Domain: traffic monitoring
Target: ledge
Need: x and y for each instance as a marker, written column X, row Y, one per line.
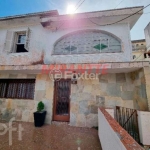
column 108, row 67
column 125, row 138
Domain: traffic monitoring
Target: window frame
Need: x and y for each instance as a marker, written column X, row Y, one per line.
column 85, row 53
column 16, row 38
column 17, row 81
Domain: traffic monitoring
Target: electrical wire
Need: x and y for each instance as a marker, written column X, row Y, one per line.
column 77, row 7
column 121, row 19
column 118, row 4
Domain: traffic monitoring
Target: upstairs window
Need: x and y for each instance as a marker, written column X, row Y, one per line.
column 17, row 41
column 87, row 42
column 17, row 88
column 134, row 56
column 20, row 42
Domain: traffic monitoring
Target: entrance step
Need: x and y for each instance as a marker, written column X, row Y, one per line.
column 60, row 123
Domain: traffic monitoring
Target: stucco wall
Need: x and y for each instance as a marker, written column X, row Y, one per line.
column 144, row 127
column 43, row 40
column 108, row 137
column 147, row 36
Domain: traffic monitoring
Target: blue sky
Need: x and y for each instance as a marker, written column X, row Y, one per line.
column 16, row 7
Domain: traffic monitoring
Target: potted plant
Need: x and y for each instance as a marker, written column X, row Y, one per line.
column 39, row 115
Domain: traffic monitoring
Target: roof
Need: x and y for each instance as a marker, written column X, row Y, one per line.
column 55, row 12
column 114, row 10
column 136, row 41
column 42, row 14
column 100, row 18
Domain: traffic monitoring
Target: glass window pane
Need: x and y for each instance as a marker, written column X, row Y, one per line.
column 21, row 39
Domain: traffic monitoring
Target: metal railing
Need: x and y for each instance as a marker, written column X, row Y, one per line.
column 127, row 118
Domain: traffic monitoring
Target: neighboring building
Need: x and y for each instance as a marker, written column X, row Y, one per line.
column 138, row 50
column 34, row 44
column 147, row 37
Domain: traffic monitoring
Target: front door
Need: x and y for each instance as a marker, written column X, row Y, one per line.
column 61, row 109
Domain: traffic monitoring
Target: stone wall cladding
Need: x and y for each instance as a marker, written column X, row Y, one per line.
column 140, row 90
column 23, row 109
column 147, row 84
column 108, row 90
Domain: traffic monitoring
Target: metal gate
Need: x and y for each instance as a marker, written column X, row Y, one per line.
column 61, row 111
column 127, row 118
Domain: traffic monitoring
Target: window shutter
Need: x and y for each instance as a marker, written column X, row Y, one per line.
column 9, row 41
column 28, row 36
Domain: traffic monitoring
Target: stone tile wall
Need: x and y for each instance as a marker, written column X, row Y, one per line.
column 23, row 109
column 147, row 84
column 140, row 91
column 108, row 90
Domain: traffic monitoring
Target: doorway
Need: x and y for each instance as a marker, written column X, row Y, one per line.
column 61, row 107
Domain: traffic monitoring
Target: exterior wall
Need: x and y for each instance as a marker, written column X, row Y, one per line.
column 147, row 36
column 144, row 127
column 35, row 54
column 108, row 91
column 43, row 40
column 112, row 135
column 22, row 109
column 108, row 137
column 140, row 92
column 147, row 82
column 139, row 55
column 138, row 50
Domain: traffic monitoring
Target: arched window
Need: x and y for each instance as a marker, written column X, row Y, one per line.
column 87, row 42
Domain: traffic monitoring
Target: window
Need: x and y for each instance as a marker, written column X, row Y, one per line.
column 17, row 88
column 17, row 41
column 87, row 42
column 134, row 56
column 20, row 42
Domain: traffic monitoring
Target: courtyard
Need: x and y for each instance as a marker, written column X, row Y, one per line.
column 50, row 137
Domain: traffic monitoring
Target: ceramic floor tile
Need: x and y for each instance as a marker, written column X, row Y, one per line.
column 51, row 137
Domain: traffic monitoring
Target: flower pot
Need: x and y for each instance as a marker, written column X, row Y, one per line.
column 39, row 118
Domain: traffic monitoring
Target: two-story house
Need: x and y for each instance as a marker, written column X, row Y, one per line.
column 139, row 50
column 88, row 54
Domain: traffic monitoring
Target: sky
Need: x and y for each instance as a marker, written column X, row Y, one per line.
column 18, row 7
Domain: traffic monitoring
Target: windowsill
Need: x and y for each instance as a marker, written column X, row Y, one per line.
column 16, row 54
column 16, row 99
column 89, row 53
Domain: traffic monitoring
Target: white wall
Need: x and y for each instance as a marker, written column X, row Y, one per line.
column 43, row 39
column 147, row 36
column 144, row 127
column 111, row 112
column 108, row 138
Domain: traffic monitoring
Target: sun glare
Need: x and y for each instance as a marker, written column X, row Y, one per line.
column 70, row 9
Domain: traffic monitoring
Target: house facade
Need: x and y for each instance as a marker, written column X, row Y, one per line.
column 147, row 38
column 139, row 50
column 73, row 63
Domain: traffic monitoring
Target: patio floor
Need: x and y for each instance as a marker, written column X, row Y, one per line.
column 51, row 137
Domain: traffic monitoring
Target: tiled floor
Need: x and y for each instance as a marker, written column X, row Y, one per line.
column 51, row 137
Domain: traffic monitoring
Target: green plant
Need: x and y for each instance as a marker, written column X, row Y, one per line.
column 40, row 106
